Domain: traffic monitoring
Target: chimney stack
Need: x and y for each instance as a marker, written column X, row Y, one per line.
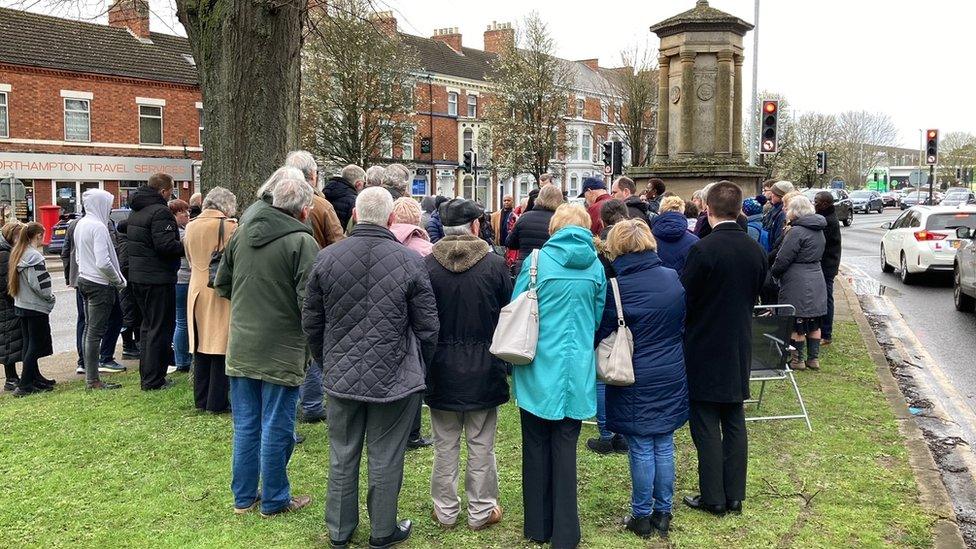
column 593, row 64
column 132, row 15
column 449, row 36
column 499, row 38
column 385, row 22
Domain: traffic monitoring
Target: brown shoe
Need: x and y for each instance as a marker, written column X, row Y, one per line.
column 825, row 343
column 443, row 525
column 252, row 507
column 297, row 502
column 813, row 364
column 795, row 362
column 493, row 518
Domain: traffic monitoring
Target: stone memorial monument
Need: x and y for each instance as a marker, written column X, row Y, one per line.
column 699, row 114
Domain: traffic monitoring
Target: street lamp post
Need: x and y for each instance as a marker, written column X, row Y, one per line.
column 754, row 133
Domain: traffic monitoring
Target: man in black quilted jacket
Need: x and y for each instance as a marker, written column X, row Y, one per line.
column 154, row 250
column 371, row 319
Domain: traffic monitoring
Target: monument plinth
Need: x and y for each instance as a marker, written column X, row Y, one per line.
column 699, row 114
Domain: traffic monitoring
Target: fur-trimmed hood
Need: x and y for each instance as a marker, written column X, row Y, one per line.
column 459, row 253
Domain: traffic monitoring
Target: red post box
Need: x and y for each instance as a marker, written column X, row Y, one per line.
column 49, row 218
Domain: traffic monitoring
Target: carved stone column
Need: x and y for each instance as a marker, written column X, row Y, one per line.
column 737, row 109
column 687, row 103
column 723, row 105
column 663, row 107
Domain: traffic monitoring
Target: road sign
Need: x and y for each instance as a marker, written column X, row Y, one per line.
column 608, row 170
column 916, row 177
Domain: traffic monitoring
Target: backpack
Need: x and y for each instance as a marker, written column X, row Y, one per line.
column 760, row 235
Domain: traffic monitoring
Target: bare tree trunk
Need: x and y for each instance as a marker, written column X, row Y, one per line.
column 248, row 57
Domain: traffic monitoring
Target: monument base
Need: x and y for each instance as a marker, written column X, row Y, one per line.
column 685, row 177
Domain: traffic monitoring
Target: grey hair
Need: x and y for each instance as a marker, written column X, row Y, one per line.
column 285, row 172
column 460, row 230
column 304, row 161
column 704, row 192
column 353, row 173
column 395, row 175
column 374, row 176
column 550, row 198
column 799, row 206
column 374, row 206
column 292, row 194
column 221, row 199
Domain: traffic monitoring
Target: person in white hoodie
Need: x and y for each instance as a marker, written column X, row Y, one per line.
column 99, row 277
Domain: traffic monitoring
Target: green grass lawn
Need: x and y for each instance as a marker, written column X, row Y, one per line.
column 127, row 468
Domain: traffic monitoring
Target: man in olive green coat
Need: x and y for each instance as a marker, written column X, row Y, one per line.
column 263, row 272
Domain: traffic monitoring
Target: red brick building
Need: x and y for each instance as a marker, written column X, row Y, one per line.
column 85, row 106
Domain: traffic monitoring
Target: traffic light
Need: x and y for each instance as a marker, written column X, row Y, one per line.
column 608, row 153
column 617, row 158
column 958, row 174
column 821, row 162
column 470, row 161
column 769, row 140
column 931, row 147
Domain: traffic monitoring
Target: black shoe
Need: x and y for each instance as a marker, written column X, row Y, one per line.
column 661, row 522
column 42, row 388
column 640, row 526
column 131, row 354
column 102, row 386
column 398, row 536
column 419, row 442
column 299, row 438
column 167, row 384
column 312, row 417
column 600, row 446
column 620, row 445
column 335, row 544
column 734, row 506
column 25, row 391
column 697, row 504
column 11, row 384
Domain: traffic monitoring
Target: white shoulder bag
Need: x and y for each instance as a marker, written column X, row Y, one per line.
column 615, row 354
column 517, row 333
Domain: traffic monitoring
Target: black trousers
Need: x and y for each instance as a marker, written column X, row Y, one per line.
column 36, row 330
column 211, row 388
column 549, row 480
column 719, row 432
column 157, row 302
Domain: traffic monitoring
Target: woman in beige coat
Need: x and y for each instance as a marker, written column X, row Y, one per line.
column 209, row 314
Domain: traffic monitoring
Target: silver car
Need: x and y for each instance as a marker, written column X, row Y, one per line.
column 964, row 271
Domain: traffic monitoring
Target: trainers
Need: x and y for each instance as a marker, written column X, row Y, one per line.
column 253, row 506
column 20, row 392
column 80, row 370
column 102, row 386
column 600, row 446
column 400, row 535
column 110, row 367
column 620, row 445
column 420, row 442
column 11, row 384
column 170, row 370
column 312, row 417
column 296, row 503
column 493, row 518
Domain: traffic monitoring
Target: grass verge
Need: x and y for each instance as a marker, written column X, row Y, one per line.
column 125, row 468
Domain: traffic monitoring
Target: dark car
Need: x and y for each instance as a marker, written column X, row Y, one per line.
column 58, row 231
column 867, row 201
column 890, row 199
column 918, row 198
column 842, row 203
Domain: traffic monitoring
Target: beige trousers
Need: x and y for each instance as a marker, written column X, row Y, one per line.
column 481, row 475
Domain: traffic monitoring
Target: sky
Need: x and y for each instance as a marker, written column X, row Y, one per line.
column 911, row 60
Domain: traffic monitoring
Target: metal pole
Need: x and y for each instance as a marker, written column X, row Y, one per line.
column 931, row 182
column 754, row 109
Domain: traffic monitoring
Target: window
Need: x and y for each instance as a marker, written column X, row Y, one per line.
column 580, row 107
column 586, row 145
column 467, row 143
column 573, row 185
column 472, row 106
column 407, row 143
column 605, row 111
column 573, row 149
column 4, row 125
column 200, row 116
column 452, row 98
column 408, row 98
column 386, row 142
column 150, row 125
column 77, row 120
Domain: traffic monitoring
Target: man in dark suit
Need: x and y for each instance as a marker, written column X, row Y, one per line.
column 722, row 278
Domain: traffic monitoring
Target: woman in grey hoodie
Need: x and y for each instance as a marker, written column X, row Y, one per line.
column 29, row 283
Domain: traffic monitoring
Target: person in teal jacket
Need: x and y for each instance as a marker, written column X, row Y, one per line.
column 557, row 390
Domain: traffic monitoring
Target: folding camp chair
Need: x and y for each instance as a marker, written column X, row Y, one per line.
column 772, row 326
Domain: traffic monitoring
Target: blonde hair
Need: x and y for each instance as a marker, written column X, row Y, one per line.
column 629, row 237
column 790, row 196
column 550, row 198
column 569, row 215
column 407, row 211
column 672, row 204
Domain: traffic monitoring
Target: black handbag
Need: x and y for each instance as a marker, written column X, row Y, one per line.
column 216, row 255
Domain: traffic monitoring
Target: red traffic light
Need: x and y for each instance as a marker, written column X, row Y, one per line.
column 932, row 134
column 770, row 107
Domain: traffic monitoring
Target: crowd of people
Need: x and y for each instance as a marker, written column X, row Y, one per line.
column 355, row 304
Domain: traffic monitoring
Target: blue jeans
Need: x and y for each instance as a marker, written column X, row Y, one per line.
column 264, row 437
column 311, row 391
column 181, row 340
column 827, row 325
column 651, row 473
column 601, row 410
column 106, row 352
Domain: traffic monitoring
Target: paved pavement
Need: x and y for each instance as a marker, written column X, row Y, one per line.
column 927, row 306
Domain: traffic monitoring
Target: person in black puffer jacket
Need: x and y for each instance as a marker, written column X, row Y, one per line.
column 531, row 231
column 131, row 317
column 341, row 191
column 830, row 262
column 11, row 338
column 154, row 250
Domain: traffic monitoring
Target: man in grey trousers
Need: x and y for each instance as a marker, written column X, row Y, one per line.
column 370, row 315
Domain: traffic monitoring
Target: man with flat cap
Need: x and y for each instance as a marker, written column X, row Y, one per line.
column 465, row 382
column 595, row 192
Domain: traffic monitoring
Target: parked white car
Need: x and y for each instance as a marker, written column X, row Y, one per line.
column 923, row 239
